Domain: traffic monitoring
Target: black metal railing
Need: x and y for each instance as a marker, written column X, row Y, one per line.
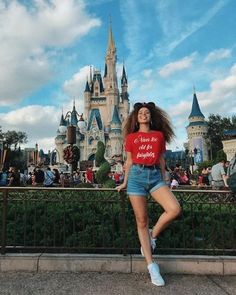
column 101, row 221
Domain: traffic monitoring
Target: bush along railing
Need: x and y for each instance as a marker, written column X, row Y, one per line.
column 83, row 220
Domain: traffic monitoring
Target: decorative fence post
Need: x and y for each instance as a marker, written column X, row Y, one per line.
column 4, row 221
column 123, row 223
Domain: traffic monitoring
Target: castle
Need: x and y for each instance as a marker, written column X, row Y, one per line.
column 198, row 145
column 105, row 110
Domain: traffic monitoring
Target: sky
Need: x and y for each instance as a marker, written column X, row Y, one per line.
column 168, row 48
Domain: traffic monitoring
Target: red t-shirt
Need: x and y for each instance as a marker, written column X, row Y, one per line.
column 89, row 174
column 145, row 147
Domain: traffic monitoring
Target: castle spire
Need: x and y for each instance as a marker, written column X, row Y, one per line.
column 87, row 89
column 110, row 77
column 111, row 43
column 195, row 112
column 124, row 77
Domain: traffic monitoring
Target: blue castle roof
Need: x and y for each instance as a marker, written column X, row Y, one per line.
column 195, row 112
column 63, row 122
column 116, row 118
column 95, row 113
column 74, row 119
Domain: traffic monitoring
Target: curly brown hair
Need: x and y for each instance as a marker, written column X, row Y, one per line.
column 159, row 120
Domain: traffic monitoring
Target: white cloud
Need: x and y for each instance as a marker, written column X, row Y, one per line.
column 177, row 29
column 46, row 144
column 220, row 99
column 76, row 85
column 27, row 37
column 176, row 66
column 147, row 73
column 218, row 54
column 39, row 122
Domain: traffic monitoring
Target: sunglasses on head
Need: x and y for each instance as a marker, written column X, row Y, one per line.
column 139, row 105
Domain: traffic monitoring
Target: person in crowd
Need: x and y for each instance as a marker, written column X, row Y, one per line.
column 3, row 177
column 174, row 173
column 48, row 177
column 39, row 176
column 33, row 177
column 183, row 178
column 209, row 175
column 76, row 177
column 199, row 181
column 14, row 177
column 116, row 176
column 62, row 179
column 205, row 178
column 121, row 176
column 219, row 177
column 89, row 176
column 29, row 178
column 146, row 131
column 56, row 173
column 167, row 176
column 174, row 183
column 82, row 175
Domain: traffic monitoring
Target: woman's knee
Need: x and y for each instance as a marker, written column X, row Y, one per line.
column 142, row 222
column 175, row 212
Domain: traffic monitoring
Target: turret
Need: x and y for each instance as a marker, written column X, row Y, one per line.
column 197, row 130
column 74, row 119
column 87, row 97
column 110, row 76
column 115, row 122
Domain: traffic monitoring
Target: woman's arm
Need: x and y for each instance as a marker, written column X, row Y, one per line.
column 162, row 166
column 128, row 164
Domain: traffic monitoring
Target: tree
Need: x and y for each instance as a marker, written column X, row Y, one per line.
column 14, row 139
column 220, row 155
column 216, row 127
column 102, row 175
column 11, row 141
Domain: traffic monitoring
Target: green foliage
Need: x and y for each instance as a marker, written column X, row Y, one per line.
column 93, row 219
column 14, row 138
column 11, row 142
column 204, row 164
column 102, row 175
column 220, row 155
column 216, row 127
column 99, row 156
column 85, row 185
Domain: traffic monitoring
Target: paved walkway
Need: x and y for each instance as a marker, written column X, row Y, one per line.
column 95, row 283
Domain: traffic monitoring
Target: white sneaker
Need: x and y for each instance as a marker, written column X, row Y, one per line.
column 155, row 275
column 152, row 241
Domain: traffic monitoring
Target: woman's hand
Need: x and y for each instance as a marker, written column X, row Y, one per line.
column 121, row 186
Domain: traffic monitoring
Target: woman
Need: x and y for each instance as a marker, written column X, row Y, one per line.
column 205, row 174
column 146, row 131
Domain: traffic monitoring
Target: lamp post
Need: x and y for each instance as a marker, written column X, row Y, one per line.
column 191, row 154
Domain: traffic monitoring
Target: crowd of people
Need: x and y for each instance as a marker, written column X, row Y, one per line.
column 52, row 177
column 215, row 177
column 208, row 177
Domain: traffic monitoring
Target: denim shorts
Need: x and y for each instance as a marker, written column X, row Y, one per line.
column 143, row 180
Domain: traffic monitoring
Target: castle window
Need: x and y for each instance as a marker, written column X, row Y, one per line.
column 90, row 140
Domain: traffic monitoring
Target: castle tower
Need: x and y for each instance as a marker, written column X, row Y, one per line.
column 110, row 77
column 197, row 130
column 105, row 110
column 115, row 133
column 124, row 97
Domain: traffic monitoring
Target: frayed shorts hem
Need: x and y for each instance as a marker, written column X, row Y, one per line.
column 131, row 194
column 156, row 187
column 159, row 185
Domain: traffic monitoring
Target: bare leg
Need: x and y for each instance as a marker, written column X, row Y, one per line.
column 169, row 203
column 139, row 205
